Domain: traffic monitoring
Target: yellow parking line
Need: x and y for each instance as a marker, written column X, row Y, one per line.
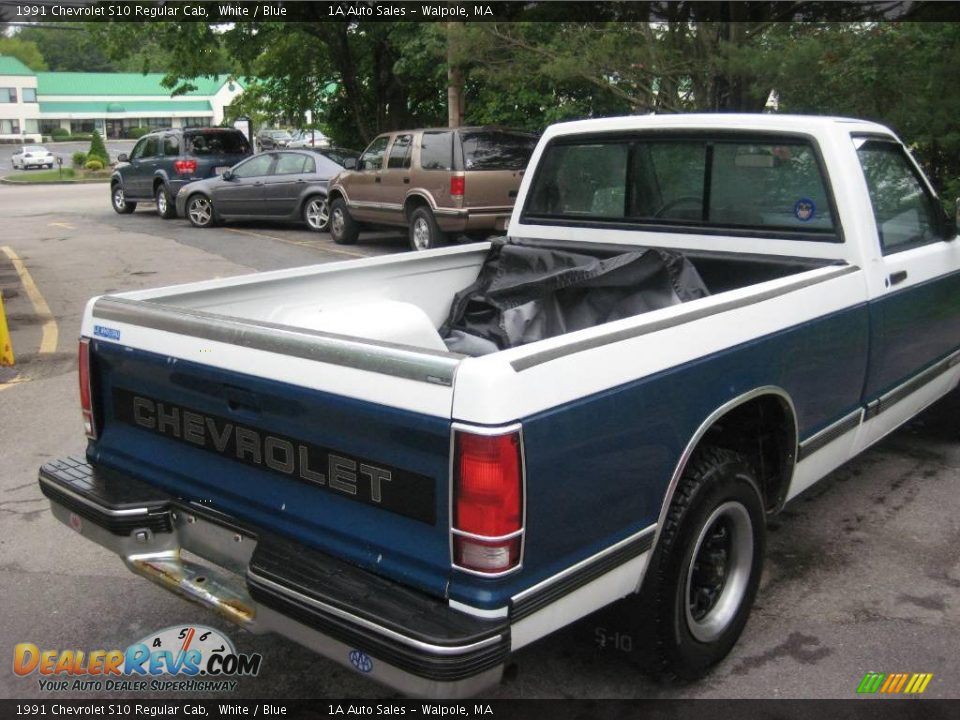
column 63, row 225
column 299, row 243
column 48, row 341
column 13, row 381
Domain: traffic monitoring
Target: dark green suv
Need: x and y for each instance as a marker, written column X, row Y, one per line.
column 163, row 161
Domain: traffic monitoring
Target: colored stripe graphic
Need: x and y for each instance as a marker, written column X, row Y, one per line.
column 894, row 683
column 871, row 682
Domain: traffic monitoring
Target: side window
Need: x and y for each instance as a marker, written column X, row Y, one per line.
column 153, row 147
column 294, row 164
column 139, row 149
column 400, row 152
column 903, row 208
column 436, row 151
column 372, row 158
column 257, row 166
column 171, row 146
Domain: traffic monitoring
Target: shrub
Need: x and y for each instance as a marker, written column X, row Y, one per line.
column 59, row 133
column 98, row 150
column 80, row 136
column 137, row 132
column 79, row 159
column 94, row 164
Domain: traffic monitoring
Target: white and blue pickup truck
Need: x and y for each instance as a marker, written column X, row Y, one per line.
column 418, row 464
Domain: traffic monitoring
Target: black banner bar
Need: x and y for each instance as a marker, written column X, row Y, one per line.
column 889, row 709
column 227, row 11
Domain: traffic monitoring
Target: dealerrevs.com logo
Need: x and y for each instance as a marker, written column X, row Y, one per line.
column 894, row 683
column 203, row 658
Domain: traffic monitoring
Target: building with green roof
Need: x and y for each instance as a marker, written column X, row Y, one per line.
column 35, row 103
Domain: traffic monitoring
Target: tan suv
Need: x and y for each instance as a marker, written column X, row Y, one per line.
column 435, row 182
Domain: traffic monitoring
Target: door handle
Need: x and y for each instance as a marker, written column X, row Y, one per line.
column 406, row 181
column 301, row 181
column 258, row 184
column 897, row 277
column 376, row 179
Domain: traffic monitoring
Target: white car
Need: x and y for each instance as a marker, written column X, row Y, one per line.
column 32, row 156
column 309, row 138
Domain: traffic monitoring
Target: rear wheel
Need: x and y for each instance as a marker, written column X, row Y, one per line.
column 707, row 567
column 200, row 211
column 425, row 234
column 165, row 206
column 343, row 228
column 119, row 200
column 316, row 213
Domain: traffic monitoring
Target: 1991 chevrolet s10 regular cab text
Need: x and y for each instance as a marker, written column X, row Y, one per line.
column 418, row 464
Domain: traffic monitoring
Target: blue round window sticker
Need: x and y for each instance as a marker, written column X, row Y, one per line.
column 804, row 209
column 361, row 661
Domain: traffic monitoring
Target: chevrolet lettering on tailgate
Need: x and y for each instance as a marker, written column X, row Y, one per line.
column 391, row 488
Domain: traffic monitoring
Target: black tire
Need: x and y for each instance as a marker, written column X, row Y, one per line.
column 165, row 205
column 425, row 234
column 343, row 228
column 706, row 570
column 119, row 200
column 316, row 213
column 199, row 211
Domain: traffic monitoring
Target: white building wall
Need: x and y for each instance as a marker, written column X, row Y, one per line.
column 23, row 115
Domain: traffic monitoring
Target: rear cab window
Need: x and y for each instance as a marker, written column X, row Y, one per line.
column 748, row 184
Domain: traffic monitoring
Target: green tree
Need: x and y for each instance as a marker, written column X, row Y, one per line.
column 67, row 48
column 98, row 151
column 26, row 52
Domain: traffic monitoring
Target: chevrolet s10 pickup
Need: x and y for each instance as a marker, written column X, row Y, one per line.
column 418, row 464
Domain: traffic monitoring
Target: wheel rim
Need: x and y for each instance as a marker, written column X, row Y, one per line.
column 317, row 214
column 161, row 202
column 421, row 234
column 200, row 211
column 337, row 222
column 719, row 571
column 119, row 201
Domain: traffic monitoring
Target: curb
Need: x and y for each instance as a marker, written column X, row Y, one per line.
column 8, row 181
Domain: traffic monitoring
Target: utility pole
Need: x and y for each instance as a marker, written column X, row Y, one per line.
column 454, row 78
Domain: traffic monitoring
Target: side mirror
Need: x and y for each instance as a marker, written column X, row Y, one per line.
column 228, row 175
column 123, row 157
column 350, row 163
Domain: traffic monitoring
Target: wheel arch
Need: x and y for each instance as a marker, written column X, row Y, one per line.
column 768, row 410
column 416, row 200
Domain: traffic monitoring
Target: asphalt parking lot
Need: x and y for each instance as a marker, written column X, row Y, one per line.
column 862, row 573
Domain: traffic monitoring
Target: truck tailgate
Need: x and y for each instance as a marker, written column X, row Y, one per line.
column 359, row 480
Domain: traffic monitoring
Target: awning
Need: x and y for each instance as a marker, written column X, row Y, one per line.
column 131, row 107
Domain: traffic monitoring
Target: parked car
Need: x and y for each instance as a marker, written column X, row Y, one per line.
column 433, row 182
column 278, row 185
column 30, row 156
column 273, row 139
column 164, row 161
column 308, row 138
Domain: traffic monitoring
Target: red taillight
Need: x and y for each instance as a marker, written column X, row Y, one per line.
column 458, row 184
column 86, row 395
column 185, row 167
column 488, row 502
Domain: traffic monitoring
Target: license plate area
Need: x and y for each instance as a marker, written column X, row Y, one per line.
column 221, row 543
